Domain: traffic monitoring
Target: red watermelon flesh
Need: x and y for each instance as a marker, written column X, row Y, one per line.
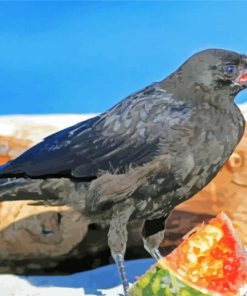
column 211, row 257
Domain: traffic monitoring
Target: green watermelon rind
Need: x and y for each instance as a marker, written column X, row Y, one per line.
column 160, row 281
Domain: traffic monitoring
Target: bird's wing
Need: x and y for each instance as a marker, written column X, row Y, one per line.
column 126, row 135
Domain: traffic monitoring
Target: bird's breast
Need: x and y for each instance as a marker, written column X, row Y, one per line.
column 194, row 165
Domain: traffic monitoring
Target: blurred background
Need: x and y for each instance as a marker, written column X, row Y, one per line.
column 83, row 57
column 62, row 62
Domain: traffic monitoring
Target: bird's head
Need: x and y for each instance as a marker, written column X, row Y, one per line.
column 215, row 71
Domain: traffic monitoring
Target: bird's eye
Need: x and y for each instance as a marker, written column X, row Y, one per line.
column 230, row 70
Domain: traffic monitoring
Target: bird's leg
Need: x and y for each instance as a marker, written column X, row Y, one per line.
column 117, row 239
column 153, row 234
column 119, row 260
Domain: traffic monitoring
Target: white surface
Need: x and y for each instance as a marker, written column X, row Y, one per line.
column 116, row 291
column 243, row 108
column 11, row 285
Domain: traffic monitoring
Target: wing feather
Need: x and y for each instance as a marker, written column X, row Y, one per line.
column 126, row 135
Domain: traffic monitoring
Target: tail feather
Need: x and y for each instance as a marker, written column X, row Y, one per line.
column 51, row 191
column 13, row 189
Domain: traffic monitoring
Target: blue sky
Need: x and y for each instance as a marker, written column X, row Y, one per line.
column 80, row 57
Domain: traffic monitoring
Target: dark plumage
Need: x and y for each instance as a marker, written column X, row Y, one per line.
column 138, row 160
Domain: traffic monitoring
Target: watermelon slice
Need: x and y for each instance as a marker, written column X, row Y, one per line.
column 210, row 261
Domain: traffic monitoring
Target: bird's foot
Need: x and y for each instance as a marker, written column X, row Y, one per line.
column 119, row 259
column 153, row 241
column 154, row 252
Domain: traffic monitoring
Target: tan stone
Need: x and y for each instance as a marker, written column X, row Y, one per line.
column 28, row 231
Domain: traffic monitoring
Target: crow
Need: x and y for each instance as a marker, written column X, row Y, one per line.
column 138, row 160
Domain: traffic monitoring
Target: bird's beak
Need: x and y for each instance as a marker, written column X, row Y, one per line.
column 242, row 77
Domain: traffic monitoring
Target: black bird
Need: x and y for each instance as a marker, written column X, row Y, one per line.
column 138, row 160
